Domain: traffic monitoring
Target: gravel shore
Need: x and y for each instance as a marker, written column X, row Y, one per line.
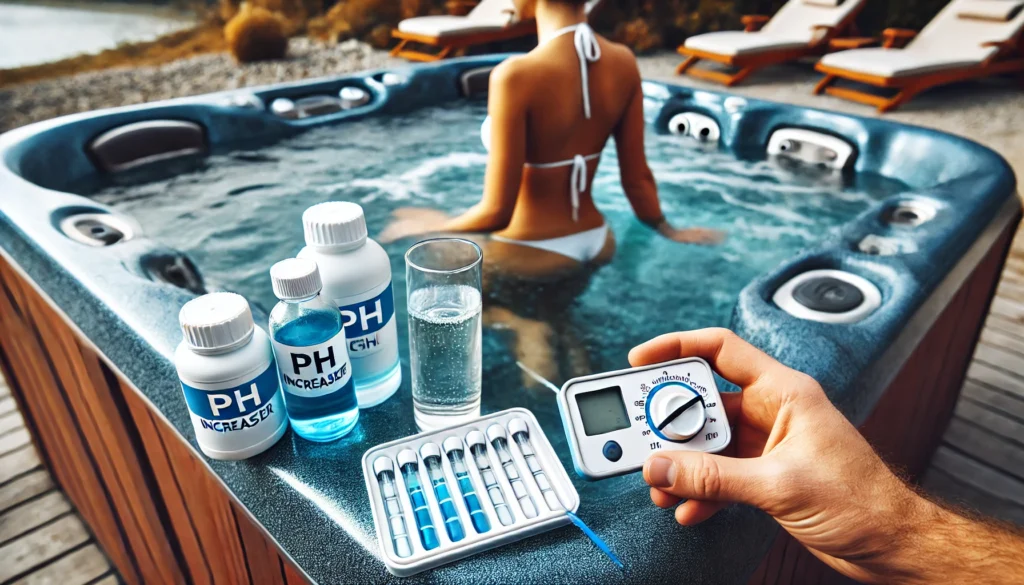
column 32, row 102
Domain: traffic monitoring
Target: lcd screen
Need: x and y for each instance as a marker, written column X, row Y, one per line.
column 602, row 411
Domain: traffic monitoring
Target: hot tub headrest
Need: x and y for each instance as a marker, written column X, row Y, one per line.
column 135, row 144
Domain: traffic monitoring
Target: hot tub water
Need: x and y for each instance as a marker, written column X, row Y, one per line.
column 236, row 212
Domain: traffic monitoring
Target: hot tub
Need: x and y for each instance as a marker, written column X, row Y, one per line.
column 859, row 251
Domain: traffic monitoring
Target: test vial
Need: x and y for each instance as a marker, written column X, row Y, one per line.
column 496, row 434
column 431, row 455
column 410, row 474
column 478, row 449
column 521, row 435
column 456, row 456
column 384, row 470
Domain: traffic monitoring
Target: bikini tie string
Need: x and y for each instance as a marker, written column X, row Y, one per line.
column 578, row 183
column 589, row 51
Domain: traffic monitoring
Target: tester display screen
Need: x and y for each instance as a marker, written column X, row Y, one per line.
column 602, row 411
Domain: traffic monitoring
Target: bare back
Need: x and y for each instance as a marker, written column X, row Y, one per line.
column 544, row 89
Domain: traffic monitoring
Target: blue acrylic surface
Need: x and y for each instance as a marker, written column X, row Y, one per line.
column 318, row 418
column 299, row 491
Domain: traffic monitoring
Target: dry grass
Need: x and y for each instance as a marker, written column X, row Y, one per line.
column 256, row 34
column 203, row 38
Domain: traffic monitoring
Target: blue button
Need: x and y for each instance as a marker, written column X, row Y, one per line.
column 612, row 451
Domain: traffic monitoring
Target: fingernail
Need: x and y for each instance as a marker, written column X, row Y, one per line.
column 661, row 472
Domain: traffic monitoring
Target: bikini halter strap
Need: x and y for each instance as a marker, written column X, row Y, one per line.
column 588, row 50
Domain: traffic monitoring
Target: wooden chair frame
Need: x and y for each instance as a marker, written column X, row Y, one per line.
column 454, row 45
column 1008, row 59
column 747, row 64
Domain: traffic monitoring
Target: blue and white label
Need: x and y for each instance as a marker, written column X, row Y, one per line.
column 365, row 322
column 314, row 370
column 235, row 418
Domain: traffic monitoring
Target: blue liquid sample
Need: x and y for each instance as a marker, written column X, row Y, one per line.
column 318, row 418
column 476, row 512
column 444, row 499
column 420, row 510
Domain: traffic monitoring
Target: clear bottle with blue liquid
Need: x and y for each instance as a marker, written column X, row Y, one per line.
column 309, row 344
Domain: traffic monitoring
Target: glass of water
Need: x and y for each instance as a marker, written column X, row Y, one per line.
column 443, row 277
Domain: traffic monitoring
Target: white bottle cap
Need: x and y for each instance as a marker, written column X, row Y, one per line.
column 382, row 464
column 405, row 457
column 518, row 425
column 475, row 438
column 216, row 321
column 451, row 444
column 335, row 223
column 429, row 450
column 494, row 431
column 295, row 278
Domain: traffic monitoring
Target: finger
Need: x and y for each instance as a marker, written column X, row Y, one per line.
column 702, row 476
column 663, row 499
column 696, row 511
column 733, row 358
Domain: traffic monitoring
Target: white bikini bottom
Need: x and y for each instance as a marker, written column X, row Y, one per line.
column 582, row 247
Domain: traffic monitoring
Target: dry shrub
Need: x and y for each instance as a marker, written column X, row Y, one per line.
column 256, row 34
column 638, row 35
column 358, row 19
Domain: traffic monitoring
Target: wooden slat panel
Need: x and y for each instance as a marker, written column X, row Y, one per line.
column 40, row 546
column 995, row 378
column 292, row 575
column 1000, row 358
column 1010, row 430
column 27, row 486
column 78, row 568
column 210, row 511
column 262, row 558
column 7, row 405
column 195, row 557
column 1007, row 342
column 31, row 515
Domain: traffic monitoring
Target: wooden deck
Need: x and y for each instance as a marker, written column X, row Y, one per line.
column 42, row 539
column 980, row 465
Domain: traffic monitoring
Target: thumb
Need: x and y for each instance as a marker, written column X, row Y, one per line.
column 702, row 476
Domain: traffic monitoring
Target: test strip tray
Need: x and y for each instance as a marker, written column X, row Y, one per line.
column 549, row 501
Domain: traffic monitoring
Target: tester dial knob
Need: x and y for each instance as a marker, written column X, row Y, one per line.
column 676, row 412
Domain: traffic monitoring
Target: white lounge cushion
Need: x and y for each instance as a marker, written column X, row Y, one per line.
column 992, row 10
column 893, row 62
column 825, row 3
column 442, row 26
column 733, row 43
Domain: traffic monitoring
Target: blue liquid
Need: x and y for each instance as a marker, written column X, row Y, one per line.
column 420, row 511
column 444, row 499
column 319, row 418
column 476, row 513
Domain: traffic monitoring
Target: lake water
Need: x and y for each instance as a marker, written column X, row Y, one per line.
column 31, row 34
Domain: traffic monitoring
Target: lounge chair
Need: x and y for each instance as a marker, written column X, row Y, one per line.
column 968, row 39
column 490, row 21
column 798, row 29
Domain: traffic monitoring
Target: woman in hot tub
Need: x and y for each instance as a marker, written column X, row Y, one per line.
column 551, row 113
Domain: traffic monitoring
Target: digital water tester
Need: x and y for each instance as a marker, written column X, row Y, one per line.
column 616, row 419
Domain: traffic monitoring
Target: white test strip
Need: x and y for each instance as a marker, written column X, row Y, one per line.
column 478, row 449
column 521, row 434
column 384, row 469
column 496, row 435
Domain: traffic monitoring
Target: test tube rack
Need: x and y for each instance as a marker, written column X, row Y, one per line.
column 399, row 533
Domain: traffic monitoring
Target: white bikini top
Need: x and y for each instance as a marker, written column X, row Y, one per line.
column 589, row 51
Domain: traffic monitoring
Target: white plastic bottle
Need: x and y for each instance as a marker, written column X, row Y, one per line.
column 228, row 375
column 356, row 274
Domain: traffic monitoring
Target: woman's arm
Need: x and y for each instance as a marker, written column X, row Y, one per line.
column 507, row 107
column 637, row 178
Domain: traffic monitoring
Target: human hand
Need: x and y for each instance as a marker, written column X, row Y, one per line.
column 793, row 455
column 703, row 236
column 407, row 222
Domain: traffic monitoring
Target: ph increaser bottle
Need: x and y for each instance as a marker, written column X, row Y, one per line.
column 229, row 379
column 309, row 342
column 356, row 273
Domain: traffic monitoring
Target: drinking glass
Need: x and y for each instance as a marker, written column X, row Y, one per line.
column 443, row 278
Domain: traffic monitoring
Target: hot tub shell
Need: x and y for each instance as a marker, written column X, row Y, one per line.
column 88, row 332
